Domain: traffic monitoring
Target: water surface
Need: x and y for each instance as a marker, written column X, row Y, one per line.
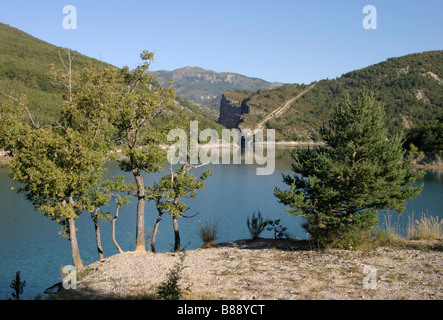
column 30, row 243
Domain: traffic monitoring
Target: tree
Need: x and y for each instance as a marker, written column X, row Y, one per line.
column 55, row 166
column 17, row 285
column 339, row 189
column 59, row 164
column 93, row 202
column 256, row 224
column 427, row 138
column 115, row 187
column 140, row 141
column 167, row 193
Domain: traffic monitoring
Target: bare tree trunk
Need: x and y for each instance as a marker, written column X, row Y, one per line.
column 68, row 83
column 154, row 232
column 77, row 261
column 140, row 227
column 114, row 220
column 97, row 236
column 177, row 234
column 75, row 252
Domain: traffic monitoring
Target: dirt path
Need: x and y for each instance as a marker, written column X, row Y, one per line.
column 280, row 110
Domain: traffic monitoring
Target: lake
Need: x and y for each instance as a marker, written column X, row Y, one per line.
column 30, row 243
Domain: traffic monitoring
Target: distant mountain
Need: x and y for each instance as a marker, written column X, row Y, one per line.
column 206, row 86
column 409, row 87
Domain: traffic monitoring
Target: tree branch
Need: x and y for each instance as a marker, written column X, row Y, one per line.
column 35, row 124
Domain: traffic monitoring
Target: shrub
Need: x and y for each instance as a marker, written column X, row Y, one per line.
column 414, row 153
column 256, row 224
column 17, row 285
column 208, row 232
column 171, row 288
column 279, row 231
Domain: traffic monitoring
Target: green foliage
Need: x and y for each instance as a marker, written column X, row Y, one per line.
column 427, row 138
column 414, row 153
column 116, row 188
column 190, row 112
column 256, row 224
column 408, row 86
column 171, row 289
column 176, row 185
column 170, row 189
column 340, row 189
column 24, row 62
column 134, row 111
column 60, row 165
column 17, row 285
column 279, row 231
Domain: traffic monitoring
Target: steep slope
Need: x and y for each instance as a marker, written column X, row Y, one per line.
column 206, row 86
column 24, row 64
column 410, row 88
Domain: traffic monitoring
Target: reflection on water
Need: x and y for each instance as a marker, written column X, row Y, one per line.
column 30, row 242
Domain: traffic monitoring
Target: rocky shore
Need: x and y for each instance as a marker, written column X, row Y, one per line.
column 269, row 269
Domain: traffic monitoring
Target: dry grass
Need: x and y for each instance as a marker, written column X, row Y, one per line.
column 426, row 228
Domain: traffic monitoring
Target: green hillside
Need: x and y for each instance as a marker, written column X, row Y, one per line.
column 409, row 87
column 24, row 64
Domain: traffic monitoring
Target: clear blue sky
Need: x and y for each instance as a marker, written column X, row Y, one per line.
column 290, row 41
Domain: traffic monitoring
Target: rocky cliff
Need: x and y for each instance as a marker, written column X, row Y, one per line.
column 232, row 111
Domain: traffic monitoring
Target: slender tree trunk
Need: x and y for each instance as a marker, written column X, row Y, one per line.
column 140, row 227
column 75, row 252
column 154, row 232
column 97, row 236
column 77, row 261
column 114, row 220
column 177, row 234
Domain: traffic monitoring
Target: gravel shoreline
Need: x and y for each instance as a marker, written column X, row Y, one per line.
column 268, row 269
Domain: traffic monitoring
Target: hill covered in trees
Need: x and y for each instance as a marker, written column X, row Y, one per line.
column 24, row 67
column 409, row 88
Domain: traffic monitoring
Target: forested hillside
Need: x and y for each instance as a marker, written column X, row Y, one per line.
column 409, row 87
column 24, row 67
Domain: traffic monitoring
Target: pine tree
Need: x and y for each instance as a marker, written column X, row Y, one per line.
column 341, row 188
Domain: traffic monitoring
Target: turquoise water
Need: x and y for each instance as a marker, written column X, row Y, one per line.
column 30, row 243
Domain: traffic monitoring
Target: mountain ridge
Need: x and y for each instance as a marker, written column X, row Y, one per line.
column 204, row 86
